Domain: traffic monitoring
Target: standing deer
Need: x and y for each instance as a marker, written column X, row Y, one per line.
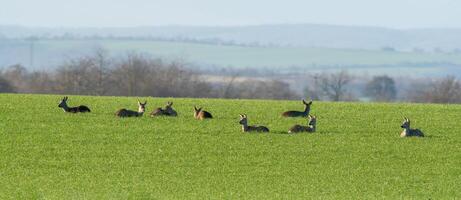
column 307, row 109
column 167, row 111
column 408, row 132
column 130, row 113
column 245, row 128
column 201, row 114
column 77, row 109
column 309, row 128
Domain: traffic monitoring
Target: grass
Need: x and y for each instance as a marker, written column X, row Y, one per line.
column 356, row 153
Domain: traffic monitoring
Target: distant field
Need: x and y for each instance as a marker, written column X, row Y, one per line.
column 53, row 52
column 356, row 153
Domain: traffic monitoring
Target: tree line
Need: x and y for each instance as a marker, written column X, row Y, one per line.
column 134, row 74
column 382, row 88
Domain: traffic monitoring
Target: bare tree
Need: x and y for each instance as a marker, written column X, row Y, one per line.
column 131, row 74
column 256, row 89
column 229, row 86
column 334, row 85
column 446, row 90
column 312, row 90
column 41, row 83
column 74, row 77
column 16, row 75
column 100, row 71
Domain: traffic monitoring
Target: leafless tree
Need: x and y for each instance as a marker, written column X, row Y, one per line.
column 131, row 74
column 227, row 89
column 312, row 90
column 40, row 83
column 446, row 90
column 16, row 75
column 100, row 71
column 257, row 89
column 334, row 85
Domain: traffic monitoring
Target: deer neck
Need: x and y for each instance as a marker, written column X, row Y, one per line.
column 245, row 127
column 140, row 111
column 306, row 110
column 65, row 107
column 407, row 131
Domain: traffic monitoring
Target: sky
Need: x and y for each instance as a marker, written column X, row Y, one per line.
column 401, row 14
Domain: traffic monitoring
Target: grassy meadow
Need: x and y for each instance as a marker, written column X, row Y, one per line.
column 356, row 152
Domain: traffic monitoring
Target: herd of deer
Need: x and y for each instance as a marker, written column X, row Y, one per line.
column 202, row 114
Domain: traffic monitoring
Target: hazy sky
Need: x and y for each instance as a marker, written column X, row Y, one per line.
column 109, row 13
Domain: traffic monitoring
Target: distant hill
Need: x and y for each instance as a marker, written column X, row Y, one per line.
column 51, row 52
column 298, row 35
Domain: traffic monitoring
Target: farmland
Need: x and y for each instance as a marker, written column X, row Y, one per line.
column 49, row 53
column 355, row 153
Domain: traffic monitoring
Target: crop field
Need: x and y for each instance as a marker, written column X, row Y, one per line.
column 49, row 53
column 356, row 152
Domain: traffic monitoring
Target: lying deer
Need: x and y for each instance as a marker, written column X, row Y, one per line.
column 309, row 128
column 130, row 113
column 201, row 114
column 408, row 132
column 307, row 109
column 245, row 128
column 77, row 109
column 167, row 111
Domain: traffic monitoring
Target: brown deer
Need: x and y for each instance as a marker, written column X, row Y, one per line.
column 245, row 128
column 130, row 113
column 201, row 114
column 167, row 111
column 310, row 128
column 305, row 113
column 408, row 132
column 77, row 109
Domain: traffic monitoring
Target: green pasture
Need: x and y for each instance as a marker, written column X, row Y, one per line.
column 356, row 152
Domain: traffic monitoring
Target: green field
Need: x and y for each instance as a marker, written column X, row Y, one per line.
column 356, row 154
column 298, row 59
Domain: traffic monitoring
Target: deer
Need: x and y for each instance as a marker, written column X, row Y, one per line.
column 130, row 113
column 68, row 109
column 407, row 131
column 167, row 111
column 310, row 128
column 307, row 109
column 201, row 114
column 245, row 128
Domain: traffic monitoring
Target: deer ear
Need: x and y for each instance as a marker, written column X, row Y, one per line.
column 145, row 102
